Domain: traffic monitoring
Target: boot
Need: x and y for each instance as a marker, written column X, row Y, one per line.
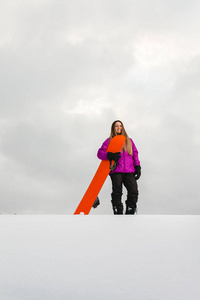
column 118, row 210
column 131, row 209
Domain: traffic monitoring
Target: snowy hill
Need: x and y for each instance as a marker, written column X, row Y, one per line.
column 99, row 257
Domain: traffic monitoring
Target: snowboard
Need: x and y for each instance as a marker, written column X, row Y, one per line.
column 99, row 178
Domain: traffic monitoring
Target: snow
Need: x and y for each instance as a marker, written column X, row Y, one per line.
column 99, row 257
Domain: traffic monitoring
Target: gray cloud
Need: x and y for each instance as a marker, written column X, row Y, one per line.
column 68, row 69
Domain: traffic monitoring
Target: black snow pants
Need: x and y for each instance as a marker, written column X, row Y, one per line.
column 129, row 181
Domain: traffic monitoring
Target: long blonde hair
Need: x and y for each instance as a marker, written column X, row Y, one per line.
column 127, row 145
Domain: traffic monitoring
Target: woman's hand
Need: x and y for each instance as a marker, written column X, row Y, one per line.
column 113, row 156
column 137, row 172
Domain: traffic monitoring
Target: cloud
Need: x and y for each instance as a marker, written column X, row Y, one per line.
column 68, row 70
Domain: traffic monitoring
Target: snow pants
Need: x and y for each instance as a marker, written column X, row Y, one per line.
column 128, row 180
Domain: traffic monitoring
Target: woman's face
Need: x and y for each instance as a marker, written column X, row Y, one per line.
column 118, row 128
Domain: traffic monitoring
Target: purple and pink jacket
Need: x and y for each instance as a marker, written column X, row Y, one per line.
column 126, row 162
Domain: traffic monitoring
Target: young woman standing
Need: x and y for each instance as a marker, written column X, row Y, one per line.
column 126, row 173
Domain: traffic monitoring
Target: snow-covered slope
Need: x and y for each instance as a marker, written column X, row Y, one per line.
column 99, row 257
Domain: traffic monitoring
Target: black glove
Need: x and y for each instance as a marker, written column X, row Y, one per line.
column 137, row 172
column 113, row 156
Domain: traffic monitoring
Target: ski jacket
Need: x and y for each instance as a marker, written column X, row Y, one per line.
column 126, row 162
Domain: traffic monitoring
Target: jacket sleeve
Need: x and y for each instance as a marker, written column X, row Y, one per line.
column 102, row 154
column 136, row 161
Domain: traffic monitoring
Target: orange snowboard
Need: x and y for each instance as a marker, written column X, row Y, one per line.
column 99, row 178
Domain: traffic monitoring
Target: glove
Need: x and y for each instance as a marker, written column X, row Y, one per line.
column 113, row 156
column 137, row 172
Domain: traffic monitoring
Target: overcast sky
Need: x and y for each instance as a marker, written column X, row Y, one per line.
column 68, row 70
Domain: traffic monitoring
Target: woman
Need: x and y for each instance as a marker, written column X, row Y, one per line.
column 126, row 173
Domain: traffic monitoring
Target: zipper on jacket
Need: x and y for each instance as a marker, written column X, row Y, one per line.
column 124, row 161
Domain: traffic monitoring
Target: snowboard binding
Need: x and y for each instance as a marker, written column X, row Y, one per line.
column 96, row 203
column 112, row 168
